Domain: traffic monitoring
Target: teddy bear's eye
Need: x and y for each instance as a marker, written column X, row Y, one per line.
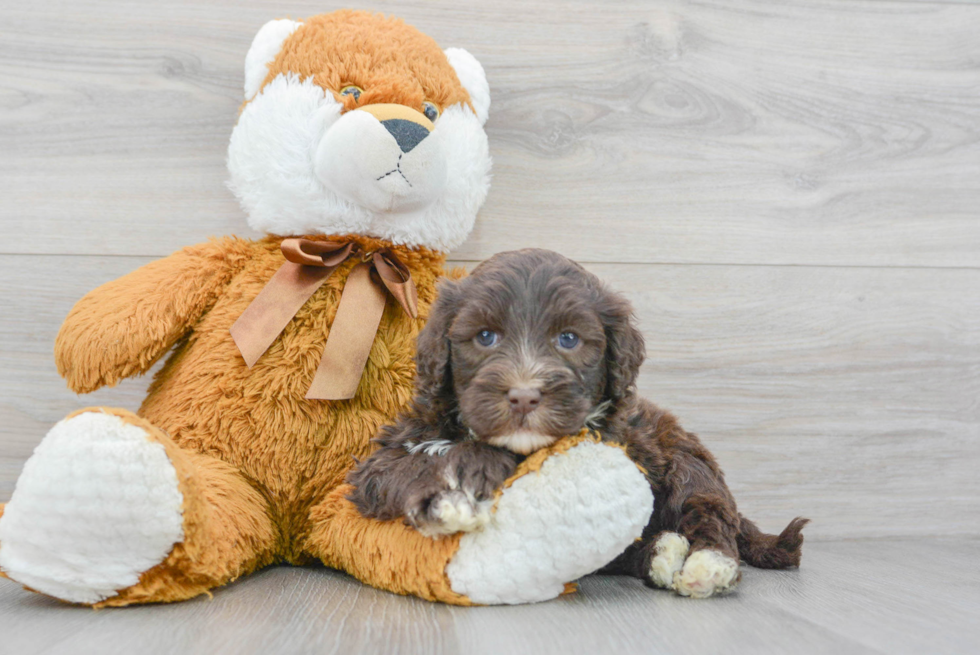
column 351, row 90
column 430, row 110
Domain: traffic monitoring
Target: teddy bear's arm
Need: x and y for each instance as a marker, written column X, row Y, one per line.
column 124, row 326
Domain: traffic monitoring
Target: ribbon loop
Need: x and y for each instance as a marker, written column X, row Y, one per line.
column 316, row 253
column 398, row 280
column 309, row 264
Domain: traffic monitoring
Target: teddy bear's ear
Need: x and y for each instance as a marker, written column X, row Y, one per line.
column 265, row 47
column 470, row 73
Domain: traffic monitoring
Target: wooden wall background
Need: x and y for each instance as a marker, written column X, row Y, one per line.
column 789, row 192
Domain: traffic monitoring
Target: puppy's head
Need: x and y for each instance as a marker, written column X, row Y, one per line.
column 527, row 349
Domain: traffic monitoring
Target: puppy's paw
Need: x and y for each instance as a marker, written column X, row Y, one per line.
column 706, row 573
column 449, row 512
column 670, row 551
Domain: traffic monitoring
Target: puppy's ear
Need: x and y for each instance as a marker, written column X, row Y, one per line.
column 433, row 377
column 625, row 350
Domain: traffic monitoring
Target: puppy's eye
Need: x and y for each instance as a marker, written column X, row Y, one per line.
column 430, row 110
column 567, row 340
column 351, row 90
column 486, row 338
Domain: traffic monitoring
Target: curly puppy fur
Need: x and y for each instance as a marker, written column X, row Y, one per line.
column 499, row 376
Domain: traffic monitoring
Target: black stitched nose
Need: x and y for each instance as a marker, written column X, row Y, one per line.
column 406, row 133
column 524, row 401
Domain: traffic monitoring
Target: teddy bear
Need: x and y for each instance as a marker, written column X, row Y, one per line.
column 360, row 152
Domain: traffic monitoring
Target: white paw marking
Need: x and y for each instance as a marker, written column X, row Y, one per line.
column 705, row 573
column 455, row 511
column 96, row 505
column 671, row 551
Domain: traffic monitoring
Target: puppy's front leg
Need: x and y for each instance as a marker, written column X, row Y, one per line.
column 470, row 473
column 439, row 486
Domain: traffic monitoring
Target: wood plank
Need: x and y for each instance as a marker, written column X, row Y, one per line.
column 846, row 598
column 808, row 132
column 846, row 395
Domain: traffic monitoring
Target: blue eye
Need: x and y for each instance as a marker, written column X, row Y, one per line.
column 430, row 110
column 486, row 338
column 567, row 340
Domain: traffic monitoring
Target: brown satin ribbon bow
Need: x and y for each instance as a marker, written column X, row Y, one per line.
column 308, row 265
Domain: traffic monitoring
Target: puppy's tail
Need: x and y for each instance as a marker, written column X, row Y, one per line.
column 770, row 551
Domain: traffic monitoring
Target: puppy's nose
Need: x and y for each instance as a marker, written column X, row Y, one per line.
column 408, row 126
column 524, row 401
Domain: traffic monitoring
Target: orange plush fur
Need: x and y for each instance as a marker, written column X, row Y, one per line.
column 391, row 63
column 259, row 456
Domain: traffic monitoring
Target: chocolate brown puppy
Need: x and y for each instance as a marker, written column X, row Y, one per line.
column 527, row 349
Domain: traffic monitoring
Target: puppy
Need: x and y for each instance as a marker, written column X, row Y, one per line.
column 529, row 348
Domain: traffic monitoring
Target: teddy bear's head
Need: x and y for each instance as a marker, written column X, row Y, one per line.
column 354, row 123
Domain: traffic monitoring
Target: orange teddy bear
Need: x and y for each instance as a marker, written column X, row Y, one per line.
column 360, row 150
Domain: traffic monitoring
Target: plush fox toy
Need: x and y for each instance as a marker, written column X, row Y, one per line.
column 360, row 150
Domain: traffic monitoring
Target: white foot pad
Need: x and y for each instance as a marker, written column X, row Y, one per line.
column 706, row 573
column 573, row 516
column 96, row 505
column 671, row 551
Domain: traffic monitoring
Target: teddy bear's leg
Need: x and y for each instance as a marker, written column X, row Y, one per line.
column 109, row 511
column 569, row 510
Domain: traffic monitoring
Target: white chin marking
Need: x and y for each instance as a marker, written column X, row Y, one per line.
column 580, row 510
column 706, row 573
column 96, row 505
column 522, row 442
column 671, row 551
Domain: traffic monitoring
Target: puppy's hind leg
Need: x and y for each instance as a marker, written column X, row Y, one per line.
column 709, row 523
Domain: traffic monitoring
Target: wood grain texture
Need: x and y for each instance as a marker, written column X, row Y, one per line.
column 812, row 131
column 849, row 597
column 845, row 395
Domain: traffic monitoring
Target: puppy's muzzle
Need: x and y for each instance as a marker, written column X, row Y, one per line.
column 408, row 126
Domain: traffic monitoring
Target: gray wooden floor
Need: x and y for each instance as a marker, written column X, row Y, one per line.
column 789, row 192
column 873, row 596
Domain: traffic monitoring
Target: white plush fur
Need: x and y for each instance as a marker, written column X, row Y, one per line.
column 96, row 505
column 706, row 573
column 265, row 46
column 473, row 78
column 294, row 175
column 671, row 551
column 359, row 160
column 573, row 516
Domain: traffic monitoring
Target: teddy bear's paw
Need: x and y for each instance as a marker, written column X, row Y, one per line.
column 669, row 552
column 706, row 573
column 450, row 512
column 96, row 505
column 570, row 517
